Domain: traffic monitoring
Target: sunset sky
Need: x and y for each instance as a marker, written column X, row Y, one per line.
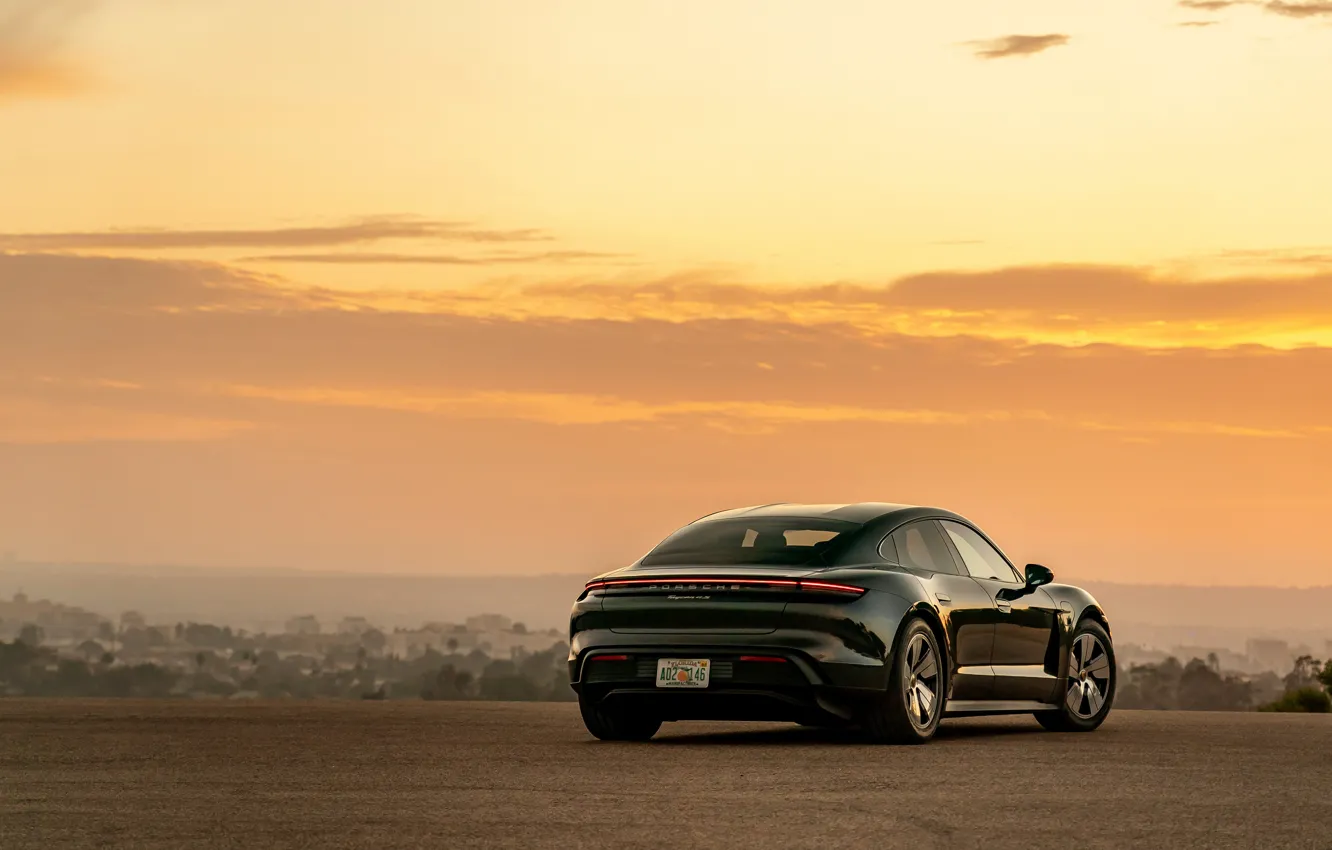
column 520, row 287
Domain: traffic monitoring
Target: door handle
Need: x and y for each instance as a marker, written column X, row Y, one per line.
column 943, row 597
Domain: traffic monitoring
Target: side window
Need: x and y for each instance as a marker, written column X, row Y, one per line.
column 919, row 545
column 982, row 559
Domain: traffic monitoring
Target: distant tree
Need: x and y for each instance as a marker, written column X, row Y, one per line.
column 1203, row 688
column 464, row 681
column 108, row 659
column 134, row 640
column 200, row 659
column 72, row 678
column 519, row 629
column 374, row 641
column 204, row 634
column 91, row 649
column 1305, row 674
column 1325, row 676
column 32, row 634
column 1313, row 700
column 106, row 632
column 452, row 645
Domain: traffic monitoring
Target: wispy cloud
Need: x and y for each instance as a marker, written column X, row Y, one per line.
column 1016, row 45
column 31, row 35
column 372, row 229
column 1198, row 23
column 389, row 258
column 1299, row 10
column 1211, row 5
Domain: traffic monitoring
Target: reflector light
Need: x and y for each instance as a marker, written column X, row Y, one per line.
column 609, row 658
column 766, row 659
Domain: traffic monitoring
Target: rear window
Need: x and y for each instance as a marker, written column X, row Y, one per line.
column 791, row 541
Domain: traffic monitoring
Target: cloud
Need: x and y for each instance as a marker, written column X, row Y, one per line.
column 31, row 35
column 1064, row 305
column 1197, row 23
column 1016, row 45
column 372, row 229
column 387, row 258
column 49, row 283
column 1070, row 305
column 1298, row 9
column 1211, row 5
column 188, row 343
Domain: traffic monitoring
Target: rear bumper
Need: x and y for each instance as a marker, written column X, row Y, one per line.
column 822, row 659
column 800, row 687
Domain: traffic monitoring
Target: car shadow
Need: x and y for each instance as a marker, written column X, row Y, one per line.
column 810, row 736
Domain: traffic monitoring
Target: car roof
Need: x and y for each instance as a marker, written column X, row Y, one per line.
column 858, row 512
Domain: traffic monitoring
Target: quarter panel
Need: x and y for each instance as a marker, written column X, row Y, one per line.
column 1074, row 603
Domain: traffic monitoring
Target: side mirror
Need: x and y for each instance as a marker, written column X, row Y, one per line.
column 1038, row 575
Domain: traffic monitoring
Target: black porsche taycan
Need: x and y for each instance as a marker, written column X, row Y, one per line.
column 887, row 617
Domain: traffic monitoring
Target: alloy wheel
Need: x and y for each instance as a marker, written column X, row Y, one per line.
column 1088, row 676
column 920, row 679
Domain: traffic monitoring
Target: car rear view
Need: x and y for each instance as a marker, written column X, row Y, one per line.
column 732, row 617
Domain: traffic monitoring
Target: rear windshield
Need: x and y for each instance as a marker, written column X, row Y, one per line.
column 769, row 540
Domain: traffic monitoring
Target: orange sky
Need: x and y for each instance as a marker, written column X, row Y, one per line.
column 476, row 287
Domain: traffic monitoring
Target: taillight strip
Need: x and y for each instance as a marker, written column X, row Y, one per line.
column 817, row 586
column 618, row 582
column 826, row 585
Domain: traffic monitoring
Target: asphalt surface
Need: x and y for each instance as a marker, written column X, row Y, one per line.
column 77, row 774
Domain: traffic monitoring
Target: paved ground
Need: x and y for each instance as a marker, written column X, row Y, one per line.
column 79, row 774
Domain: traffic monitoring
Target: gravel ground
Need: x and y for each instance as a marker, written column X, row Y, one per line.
column 77, row 774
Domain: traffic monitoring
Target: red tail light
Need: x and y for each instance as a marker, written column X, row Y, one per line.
column 722, row 583
column 609, row 658
column 629, row 582
column 830, row 587
column 765, row 659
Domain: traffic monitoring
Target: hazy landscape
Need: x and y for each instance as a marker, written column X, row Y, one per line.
column 174, row 632
column 1154, row 615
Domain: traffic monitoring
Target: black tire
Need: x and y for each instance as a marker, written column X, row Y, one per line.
column 611, row 722
column 896, row 717
column 1083, row 711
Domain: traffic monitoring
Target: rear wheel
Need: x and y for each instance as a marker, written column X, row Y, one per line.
column 909, row 713
column 615, row 722
column 1091, row 682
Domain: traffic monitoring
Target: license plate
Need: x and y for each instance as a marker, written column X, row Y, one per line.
column 683, row 672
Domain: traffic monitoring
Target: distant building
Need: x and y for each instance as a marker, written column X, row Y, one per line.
column 61, row 624
column 489, row 623
column 133, row 620
column 306, row 624
column 354, row 626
